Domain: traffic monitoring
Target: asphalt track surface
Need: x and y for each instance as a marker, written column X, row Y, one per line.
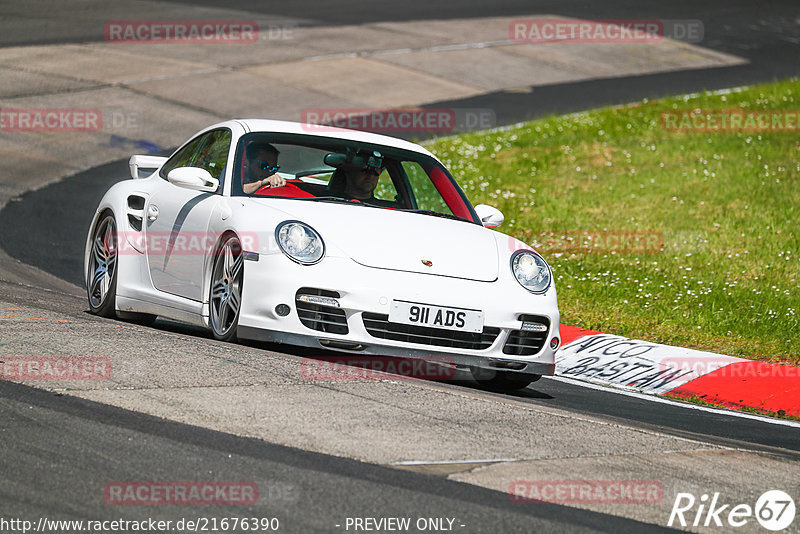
column 50, row 442
column 53, row 469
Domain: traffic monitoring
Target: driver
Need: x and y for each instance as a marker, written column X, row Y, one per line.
column 261, row 168
column 362, row 178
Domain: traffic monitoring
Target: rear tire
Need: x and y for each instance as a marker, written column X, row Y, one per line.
column 502, row 381
column 225, row 291
column 101, row 279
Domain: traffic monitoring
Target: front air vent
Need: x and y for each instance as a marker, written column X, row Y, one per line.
column 135, row 222
column 378, row 325
column 320, row 317
column 530, row 339
column 135, row 212
column 135, row 202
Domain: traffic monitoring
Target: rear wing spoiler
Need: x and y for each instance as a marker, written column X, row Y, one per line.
column 144, row 162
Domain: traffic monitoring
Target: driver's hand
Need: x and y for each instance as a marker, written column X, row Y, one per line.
column 276, row 180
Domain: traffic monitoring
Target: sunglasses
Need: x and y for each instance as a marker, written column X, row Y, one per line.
column 265, row 166
column 372, row 171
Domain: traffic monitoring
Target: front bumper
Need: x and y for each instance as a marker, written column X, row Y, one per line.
column 274, row 280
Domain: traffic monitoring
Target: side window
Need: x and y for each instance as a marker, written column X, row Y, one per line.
column 385, row 189
column 184, row 156
column 214, row 155
column 208, row 151
column 428, row 197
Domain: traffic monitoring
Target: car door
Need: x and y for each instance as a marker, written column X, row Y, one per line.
column 178, row 237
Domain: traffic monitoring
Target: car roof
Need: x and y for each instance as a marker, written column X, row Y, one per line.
column 268, row 125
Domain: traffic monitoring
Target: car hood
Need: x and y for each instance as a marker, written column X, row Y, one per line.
column 400, row 241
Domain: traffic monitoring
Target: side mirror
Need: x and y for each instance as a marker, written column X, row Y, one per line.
column 489, row 215
column 150, row 163
column 193, row 178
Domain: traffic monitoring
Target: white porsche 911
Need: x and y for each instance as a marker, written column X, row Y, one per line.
column 323, row 237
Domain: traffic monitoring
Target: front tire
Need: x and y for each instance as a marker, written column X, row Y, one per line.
column 101, row 280
column 502, row 381
column 225, row 291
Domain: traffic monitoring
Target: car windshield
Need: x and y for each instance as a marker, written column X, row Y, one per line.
column 320, row 169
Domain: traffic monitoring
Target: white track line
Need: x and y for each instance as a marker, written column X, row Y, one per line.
column 688, row 405
column 448, row 462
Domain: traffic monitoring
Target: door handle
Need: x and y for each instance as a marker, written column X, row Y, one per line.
column 152, row 212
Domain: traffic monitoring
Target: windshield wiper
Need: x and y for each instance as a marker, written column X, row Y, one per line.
column 353, row 201
column 438, row 214
column 331, row 199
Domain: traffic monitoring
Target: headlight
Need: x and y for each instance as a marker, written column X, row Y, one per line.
column 300, row 242
column 531, row 271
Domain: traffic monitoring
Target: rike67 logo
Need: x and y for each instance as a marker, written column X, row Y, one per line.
column 774, row 510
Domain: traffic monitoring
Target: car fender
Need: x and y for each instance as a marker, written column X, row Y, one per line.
column 115, row 201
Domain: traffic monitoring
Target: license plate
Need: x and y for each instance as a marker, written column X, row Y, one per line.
column 415, row 313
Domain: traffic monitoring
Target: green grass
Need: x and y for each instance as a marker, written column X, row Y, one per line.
column 726, row 204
